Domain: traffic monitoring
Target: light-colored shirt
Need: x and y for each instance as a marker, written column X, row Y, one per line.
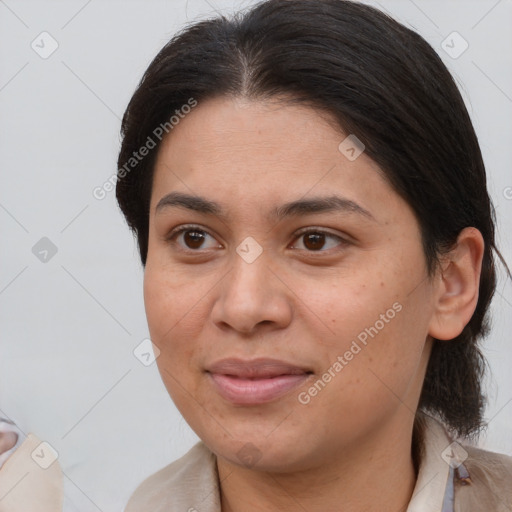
column 31, row 479
column 451, row 477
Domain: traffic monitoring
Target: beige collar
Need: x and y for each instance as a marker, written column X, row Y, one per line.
column 434, row 470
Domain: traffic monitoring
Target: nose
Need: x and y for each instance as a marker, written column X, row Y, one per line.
column 252, row 299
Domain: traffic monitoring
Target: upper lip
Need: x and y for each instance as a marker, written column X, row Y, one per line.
column 255, row 368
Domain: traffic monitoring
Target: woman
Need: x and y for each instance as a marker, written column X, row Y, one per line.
column 310, row 204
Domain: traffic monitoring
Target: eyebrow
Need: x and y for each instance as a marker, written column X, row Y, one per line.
column 332, row 203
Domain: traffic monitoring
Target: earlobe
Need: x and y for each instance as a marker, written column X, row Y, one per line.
column 458, row 283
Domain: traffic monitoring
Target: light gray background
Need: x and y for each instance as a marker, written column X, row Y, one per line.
column 70, row 325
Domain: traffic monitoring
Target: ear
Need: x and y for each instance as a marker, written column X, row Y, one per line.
column 458, row 282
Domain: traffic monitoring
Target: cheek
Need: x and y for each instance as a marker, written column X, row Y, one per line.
column 169, row 312
column 176, row 314
column 382, row 356
column 380, row 331
column 170, row 303
column 158, row 304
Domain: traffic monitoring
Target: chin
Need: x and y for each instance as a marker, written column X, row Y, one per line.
column 255, row 451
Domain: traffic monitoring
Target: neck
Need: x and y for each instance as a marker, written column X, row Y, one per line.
column 379, row 474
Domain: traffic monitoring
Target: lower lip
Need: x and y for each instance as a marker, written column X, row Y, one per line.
column 257, row 391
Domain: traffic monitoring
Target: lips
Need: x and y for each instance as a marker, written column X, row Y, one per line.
column 256, row 381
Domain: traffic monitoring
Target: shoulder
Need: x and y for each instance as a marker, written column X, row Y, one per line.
column 482, row 480
column 491, row 462
column 187, row 484
column 490, row 480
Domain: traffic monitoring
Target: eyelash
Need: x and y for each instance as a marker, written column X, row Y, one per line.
column 193, row 227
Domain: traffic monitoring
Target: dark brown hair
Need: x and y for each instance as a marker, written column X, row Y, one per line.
column 382, row 82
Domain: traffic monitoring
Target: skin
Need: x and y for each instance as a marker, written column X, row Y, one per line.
column 351, row 443
column 7, row 441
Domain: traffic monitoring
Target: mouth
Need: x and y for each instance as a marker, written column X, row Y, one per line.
column 256, row 381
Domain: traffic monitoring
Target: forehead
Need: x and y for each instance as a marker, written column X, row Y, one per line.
column 254, row 153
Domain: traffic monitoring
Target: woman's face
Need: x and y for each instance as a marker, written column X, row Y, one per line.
column 292, row 314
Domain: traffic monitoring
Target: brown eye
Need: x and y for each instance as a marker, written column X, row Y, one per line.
column 314, row 241
column 193, row 238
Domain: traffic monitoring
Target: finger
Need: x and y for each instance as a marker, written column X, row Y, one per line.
column 7, row 441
